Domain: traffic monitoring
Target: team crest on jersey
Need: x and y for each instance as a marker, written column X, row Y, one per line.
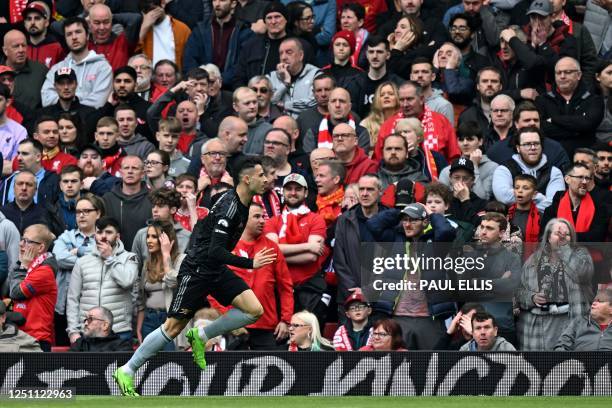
column 223, row 223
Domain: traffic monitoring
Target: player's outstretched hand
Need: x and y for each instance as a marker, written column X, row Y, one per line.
column 264, row 257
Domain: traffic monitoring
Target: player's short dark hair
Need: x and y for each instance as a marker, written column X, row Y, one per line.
column 108, row 221
column 71, row 168
column 468, row 129
column 246, row 165
column 165, row 196
column 483, row 317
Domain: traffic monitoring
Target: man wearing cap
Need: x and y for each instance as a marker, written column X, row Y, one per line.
column 351, row 231
column 30, row 74
column 346, row 75
column 115, row 48
column 95, row 178
column 43, row 46
column 292, row 79
column 421, row 313
column 300, row 234
column 124, row 93
column 356, row 332
column 11, row 132
column 15, row 110
column 593, row 332
column 354, row 158
column 466, row 205
column 260, row 54
column 66, row 88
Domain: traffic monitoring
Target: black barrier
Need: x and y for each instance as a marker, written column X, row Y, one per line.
column 322, row 374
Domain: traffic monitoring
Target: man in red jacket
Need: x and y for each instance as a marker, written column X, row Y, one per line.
column 33, row 288
column 269, row 332
column 356, row 162
column 115, row 48
column 43, row 46
column 439, row 134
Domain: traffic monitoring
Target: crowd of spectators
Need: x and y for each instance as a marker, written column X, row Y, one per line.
column 485, row 125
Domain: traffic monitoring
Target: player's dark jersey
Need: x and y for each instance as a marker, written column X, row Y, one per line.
column 215, row 236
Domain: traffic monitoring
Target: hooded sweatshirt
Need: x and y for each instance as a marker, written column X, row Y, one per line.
column 412, row 169
column 438, row 103
column 360, row 165
column 483, row 182
column 131, row 211
column 94, row 79
column 137, row 145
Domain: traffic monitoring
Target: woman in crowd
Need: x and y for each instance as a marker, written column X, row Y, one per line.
column 70, row 246
column 158, row 280
column 351, row 196
column 603, row 77
column 190, row 212
column 386, row 336
column 305, row 335
column 405, row 45
column 301, row 22
column 384, row 105
column 352, row 17
column 555, row 287
column 72, row 138
column 157, row 165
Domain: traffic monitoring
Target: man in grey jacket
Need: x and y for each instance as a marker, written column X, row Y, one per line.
column 484, row 335
column 134, row 144
column 94, row 73
column 105, row 277
column 246, row 107
column 593, row 332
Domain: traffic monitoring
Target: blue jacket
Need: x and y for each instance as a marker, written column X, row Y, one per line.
column 47, row 190
column 198, row 50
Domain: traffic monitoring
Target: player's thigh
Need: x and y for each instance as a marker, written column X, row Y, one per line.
column 248, row 303
column 174, row 326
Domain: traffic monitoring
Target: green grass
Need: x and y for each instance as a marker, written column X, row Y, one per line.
column 321, row 402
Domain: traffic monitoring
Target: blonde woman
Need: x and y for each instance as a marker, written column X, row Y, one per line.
column 384, row 105
column 305, row 335
column 430, row 161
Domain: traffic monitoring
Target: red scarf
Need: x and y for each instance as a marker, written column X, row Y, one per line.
column 275, row 203
column 38, row 261
column 330, row 206
column 567, row 21
column 16, row 7
column 213, row 180
column 110, row 163
column 184, row 142
column 586, row 212
column 359, row 41
column 532, row 226
column 324, row 138
column 13, row 113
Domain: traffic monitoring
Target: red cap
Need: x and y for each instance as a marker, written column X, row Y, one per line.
column 4, row 69
column 355, row 297
column 39, row 8
column 346, row 35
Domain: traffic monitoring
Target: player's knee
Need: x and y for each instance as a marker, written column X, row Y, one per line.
column 173, row 327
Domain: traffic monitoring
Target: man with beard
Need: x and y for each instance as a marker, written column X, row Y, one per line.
column 262, row 86
column 95, row 178
column 604, row 162
column 396, row 164
column 43, row 46
column 528, row 160
column 463, row 32
column 217, row 40
column 245, row 106
column 115, row 48
column 66, row 87
column 488, row 84
column 588, row 215
column 161, row 36
column 422, row 72
column 124, row 93
column 93, row 69
column 144, row 69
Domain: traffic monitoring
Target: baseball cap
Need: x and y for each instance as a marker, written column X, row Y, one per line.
column 37, row 7
column 5, row 69
column 93, row 147
column 462, row 163
column 65, row 72
column 355, row 297
column 416, row 211
column 541, row 7
column 295, row 178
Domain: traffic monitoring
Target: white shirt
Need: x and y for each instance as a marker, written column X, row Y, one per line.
column 163, row 41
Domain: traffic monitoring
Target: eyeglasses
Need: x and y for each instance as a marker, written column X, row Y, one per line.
column 461, row 29
column 260, row 90
column 85, row 211
column 357, row 308
column 581, row 178
column 215, row 154
column 296, row 325
column 566, row 72
column 89, row 319
column 307, row 18
column 275, row 143
column 380, row 334
column 341, row 136
column 500, row 110
column 532, row 145
column 152, row 163
column 27, row 241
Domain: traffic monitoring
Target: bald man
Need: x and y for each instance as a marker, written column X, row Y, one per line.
column 570, row 113
column 355, row 160
column 115, row 48
column 30, row 75
column 246, row 107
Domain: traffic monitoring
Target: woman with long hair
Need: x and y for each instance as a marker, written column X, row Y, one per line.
column 158, row 279
column 157, row 165
column 556, row 287
column 404, row 43
column 301, row 22
column 384, row 105
column 386, row 335
column 305, row 334
column 72, row 138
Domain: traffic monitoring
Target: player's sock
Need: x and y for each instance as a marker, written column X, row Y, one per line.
column 154, row 342
column 233, row 319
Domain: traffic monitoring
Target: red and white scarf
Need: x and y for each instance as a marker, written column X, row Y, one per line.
column 342, row 341
column 16, row 7
column 360, row 38
column 275, row 203
column 213, row 180
column 38, row 261
column 430, row 139
column 301, row 210
column 567, row 21
column 324, row 138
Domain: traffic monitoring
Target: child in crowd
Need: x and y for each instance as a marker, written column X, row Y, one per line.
column 190, row 212
column 438, row 199
column 168, row 137
column 357, row 331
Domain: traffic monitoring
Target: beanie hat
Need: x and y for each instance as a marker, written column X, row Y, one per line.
column 346, row 35
column 276, row 7
column 126, row 70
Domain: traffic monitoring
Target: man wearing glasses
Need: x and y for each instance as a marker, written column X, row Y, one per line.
column 98, row 335
column 354, row 158
column 262, row 86
column 529, row 160
column 588, row 215
column 32, row 285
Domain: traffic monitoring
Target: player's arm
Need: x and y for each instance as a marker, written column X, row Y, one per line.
column 218, row 251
